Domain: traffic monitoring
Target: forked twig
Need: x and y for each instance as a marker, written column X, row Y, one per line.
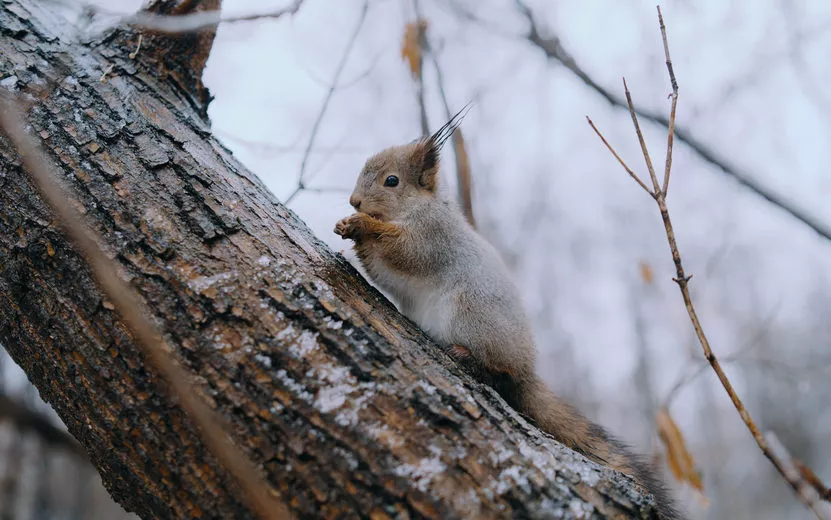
column 794, row 478
column 554, row 50
column 622, row 163
column 301, row 181
column 135, row 314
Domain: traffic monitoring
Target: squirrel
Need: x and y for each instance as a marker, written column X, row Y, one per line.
column 419, row 248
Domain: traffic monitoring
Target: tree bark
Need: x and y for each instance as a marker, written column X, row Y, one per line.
column 346, row 406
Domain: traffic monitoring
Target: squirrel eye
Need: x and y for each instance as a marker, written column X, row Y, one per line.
column 391, row 181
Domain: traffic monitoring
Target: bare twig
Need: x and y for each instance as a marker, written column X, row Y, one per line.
column 682, row 279
column 812, row 478
column 463, row 175
column 267, row 148
column 27, row 419
column 701, row 364
column 413, row 49
column 809, row 489
column 674, row 96
column 193, row 21
column 334, row 85
column 138, row 48
column 554, row 50
column 622, row 163
column 109, row 69
column 134, row 313
column 655, row 186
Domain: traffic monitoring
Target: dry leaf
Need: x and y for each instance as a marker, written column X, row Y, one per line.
column 646, row 272
column 679, row 459
column 411, row 47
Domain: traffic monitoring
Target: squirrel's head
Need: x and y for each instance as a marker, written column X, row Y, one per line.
column 393, row 178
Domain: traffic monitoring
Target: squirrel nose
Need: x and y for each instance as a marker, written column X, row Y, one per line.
column 355, row 201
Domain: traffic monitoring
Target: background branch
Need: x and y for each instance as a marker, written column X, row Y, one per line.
column 26, row 419
column 464, row 179
column 413, row 49
column 184, row 23
column 793, row 478
column 350, row 44
column 554, row 50
column 416, row 46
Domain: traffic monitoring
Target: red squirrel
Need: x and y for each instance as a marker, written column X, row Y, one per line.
column 420, row 249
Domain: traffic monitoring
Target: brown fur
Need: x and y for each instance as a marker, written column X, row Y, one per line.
column 375, row 238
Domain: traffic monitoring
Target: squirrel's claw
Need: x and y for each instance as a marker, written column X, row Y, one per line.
column 341, row 227
column 346, row 227
column 459, row 353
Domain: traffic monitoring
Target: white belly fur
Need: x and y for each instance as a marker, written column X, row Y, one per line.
column 428, row 305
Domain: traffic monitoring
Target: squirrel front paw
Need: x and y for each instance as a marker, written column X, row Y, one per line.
column 348, row 227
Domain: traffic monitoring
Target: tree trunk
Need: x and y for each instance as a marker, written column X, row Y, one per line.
column 346, row 406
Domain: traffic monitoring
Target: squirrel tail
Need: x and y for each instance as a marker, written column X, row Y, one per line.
column 558, row 418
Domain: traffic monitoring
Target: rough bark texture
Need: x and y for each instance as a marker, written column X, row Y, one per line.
column 348, row 408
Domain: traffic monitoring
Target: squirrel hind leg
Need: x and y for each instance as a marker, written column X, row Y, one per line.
column 459, row 353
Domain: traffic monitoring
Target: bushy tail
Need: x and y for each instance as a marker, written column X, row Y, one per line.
column 567, row 425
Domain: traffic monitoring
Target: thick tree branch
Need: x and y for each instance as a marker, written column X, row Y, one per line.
column 346, row 407
column 133, row 312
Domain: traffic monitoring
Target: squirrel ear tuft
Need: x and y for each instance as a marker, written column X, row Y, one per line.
column 446, row 131
column 428, row 165
column 430, row 149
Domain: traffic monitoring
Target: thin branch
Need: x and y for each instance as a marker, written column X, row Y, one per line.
column 674, row 96
column 809, row 489
column 30, row 420
column 671, row 72
column 812, row 478
column 752, row 343
column 420, row 28
column 622, row 163
column 463, row 174
column 135, row 314
column 191, row 22
column 348, row 83
column 655, row 186
column 138, row 47
column 344, row 58
column 554, row 50
column 682, row 279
